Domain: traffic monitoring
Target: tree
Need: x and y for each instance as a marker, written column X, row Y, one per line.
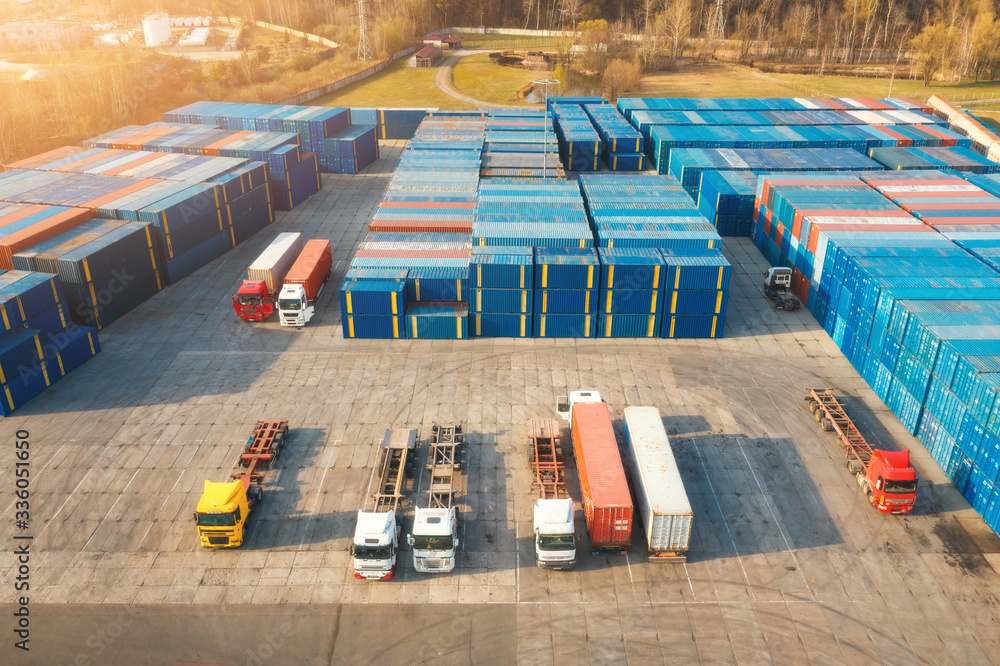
column 619, row 77
column 249, row 67
column 984, row 41
column 572, row 11
column 933, row 49
column 676, row 21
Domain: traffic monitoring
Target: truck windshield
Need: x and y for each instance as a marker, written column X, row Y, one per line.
column 432, row 542
column 252, row 301
column 556, row 542
column 900, row 487
column 286, row 304
column 371, row 552
column 216, row 519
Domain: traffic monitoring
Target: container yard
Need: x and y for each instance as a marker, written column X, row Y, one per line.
column 719, row 524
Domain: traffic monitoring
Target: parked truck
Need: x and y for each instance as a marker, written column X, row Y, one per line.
column 435, row 528
column 255, row 299
column 555, row 536
column 607, row 501
column 304, row 283
column 376, row 535
column 659, row 490
column 225, row 508
column 886, row 477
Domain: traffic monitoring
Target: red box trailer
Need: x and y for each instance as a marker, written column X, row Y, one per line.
column 606, row 498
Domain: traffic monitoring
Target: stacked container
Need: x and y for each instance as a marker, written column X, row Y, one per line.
column 350, row 150
column 696, row 293
column 623, row 144
column 530, row 211
column 521, row 143
column 566, row 292
column 372, row 306
column 912, row 159
column 39, row 343
column 502, row 291
column 688, row 164
column 631, row 295
column 726, row 199
column 579, row 143
column 23, row 225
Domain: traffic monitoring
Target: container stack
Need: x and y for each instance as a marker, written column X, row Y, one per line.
column 521, row 144
column 688, row 164
column 530, row 212
column 726, row 199
column 627, row 105
column 350, row 150
column 39, row 344
column 797, row 215
column 696, row 293
column 107, row 268
column 623, row 144
column 645, row 211
column 912, row 159
column 502, row 291
column 949, row 203
column 400, row 123
column 631, row 295
column 567, row 283
column 24, row 225
column 293, row 174
column 355, row 145
column 580, row 145
column 421, row 234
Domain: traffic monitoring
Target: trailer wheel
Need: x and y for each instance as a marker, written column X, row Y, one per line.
column 531, row 454
column 813, row 406
column 818, row 415
column 826, row 425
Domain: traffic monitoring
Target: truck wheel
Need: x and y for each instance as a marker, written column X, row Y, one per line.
column 813, row 406
column 826, row 425
column 818, row 415
column 409, row 470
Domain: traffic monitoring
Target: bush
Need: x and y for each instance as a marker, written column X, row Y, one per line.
column 302, row 62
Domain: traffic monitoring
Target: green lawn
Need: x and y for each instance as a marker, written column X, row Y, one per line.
column 473, row 41
column 477, row 77
column 398, row 86
column 709, row 81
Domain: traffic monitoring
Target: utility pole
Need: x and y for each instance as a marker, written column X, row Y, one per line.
column 545, row 83
column 364, row 46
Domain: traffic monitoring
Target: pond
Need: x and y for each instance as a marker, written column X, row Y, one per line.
column 573, row 84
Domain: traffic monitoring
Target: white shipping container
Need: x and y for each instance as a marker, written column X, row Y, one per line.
column 662, row 501
column 273, row 263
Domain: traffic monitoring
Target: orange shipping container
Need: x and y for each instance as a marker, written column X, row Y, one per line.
column 607, row 501
column 36, row 233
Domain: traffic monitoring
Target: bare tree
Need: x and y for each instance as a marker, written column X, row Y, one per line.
column 676, row 23
column 572, row 10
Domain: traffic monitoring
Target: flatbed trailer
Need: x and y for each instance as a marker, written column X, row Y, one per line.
column 393, row 466
column 545, row 456
column 886, row 477
column 443, row 460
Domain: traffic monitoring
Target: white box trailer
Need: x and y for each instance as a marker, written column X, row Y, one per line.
column 661, row 499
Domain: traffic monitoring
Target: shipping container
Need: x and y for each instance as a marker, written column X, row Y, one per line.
column 312, row 267
column 659, row 490
column 607, row 501
column 275, row 261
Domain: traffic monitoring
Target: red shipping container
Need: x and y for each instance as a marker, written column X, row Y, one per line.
column 36, row 233
column 606, row 498
column 312, row 267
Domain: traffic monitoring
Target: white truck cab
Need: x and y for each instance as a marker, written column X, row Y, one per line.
column 555, row 538
column 434, row 540
column 564, row 404
column 293, row 307
column 376, row 543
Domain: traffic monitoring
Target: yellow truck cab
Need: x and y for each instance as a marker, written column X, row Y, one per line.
column 222, row 514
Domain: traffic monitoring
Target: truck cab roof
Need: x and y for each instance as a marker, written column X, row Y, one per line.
column 253, row 287
column 898, row 461
column 291, row 291
column 219, row 496
column 373, row 528
column 432, row 522
column 554, row 515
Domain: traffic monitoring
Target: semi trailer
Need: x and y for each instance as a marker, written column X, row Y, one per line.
column 555, row 535
column 255, row 299
column 304, row 283
column 434, row 538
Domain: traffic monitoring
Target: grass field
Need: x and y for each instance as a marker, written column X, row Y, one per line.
column 397, row 86
column 717, row 80
column 473, row 41
column 477, row 77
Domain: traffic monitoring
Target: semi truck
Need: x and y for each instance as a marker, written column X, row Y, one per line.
column 659, row 490
column 254, row 301
column 376, row 535
column 886, row 477
column 607, row 501
column 555, row 536
column 304, row 283
column 225, row 507
column 434, row 538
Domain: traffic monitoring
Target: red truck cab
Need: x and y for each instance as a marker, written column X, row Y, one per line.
column 253, row 302
column 892, row 481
